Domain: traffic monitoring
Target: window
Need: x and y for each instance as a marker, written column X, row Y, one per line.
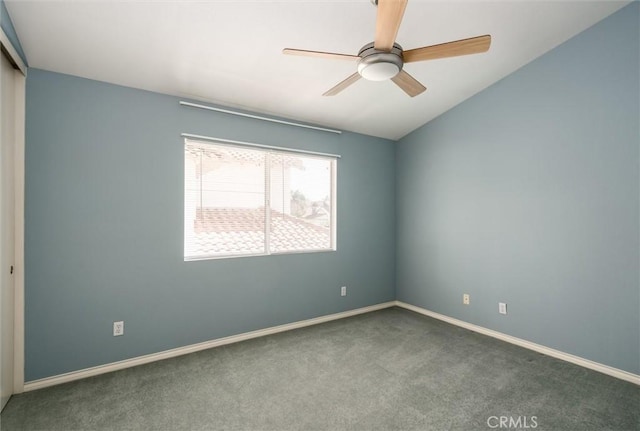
column 227, row 190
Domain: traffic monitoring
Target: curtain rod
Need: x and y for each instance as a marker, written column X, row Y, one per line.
column 251, row 144
column 258, row 117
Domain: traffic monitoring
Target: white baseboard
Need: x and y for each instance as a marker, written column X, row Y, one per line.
column 127, row 363
column 605, row 369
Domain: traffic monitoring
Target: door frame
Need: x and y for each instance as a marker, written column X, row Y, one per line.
column 18, row 314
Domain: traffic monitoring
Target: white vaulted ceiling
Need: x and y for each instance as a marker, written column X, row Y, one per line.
column 230, row 52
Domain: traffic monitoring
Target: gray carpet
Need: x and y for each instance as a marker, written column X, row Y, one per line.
column 387, row 370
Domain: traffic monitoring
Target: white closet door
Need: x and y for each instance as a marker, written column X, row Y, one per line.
column 7, row 227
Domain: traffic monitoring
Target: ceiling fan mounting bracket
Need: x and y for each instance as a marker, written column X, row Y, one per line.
column 376, row 65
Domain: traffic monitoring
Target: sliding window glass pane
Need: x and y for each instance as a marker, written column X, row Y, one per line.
column 192, row 156
column 300, row 203
column 224, row 201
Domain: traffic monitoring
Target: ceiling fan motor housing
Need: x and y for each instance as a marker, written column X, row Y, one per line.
column 376, row 65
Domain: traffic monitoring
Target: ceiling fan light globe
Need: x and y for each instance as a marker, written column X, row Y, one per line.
column 378, row 71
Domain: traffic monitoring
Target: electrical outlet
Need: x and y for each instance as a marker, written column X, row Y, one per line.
column 343, row 291
column 465, row 299
column 118, row 328
column 502, row 308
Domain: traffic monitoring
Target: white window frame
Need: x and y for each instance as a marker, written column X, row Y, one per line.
column 269, row 150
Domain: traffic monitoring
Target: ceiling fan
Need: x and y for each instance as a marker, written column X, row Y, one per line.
column 384, row 59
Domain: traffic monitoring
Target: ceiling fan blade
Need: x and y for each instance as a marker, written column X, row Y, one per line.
column 330, row 55
column 388, row 21
column 342, row 85
column 474, row 45
column 408, row 84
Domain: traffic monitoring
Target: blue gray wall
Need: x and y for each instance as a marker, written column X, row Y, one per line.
column 528, row 194
column 104, row 229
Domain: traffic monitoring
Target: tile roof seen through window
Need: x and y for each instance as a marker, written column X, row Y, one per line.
column 240, row 231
